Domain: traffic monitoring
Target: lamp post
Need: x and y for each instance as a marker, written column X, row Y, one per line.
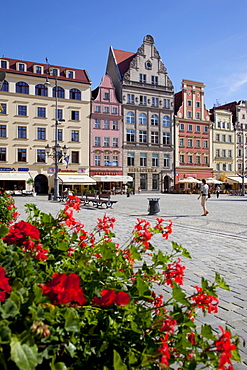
column 56, row 152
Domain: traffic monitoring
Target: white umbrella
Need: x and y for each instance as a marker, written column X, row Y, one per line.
column 189, row 180
column 211, row 180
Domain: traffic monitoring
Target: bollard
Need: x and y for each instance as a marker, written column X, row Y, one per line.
column 128, row 194
column 50, row 196
column 153, row 206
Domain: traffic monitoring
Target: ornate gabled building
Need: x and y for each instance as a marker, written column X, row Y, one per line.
column 192, row 133
column 106, row 160
column 30, row 108
column 146, row 92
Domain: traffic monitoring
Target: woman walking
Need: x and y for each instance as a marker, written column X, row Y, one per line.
column 204, row 196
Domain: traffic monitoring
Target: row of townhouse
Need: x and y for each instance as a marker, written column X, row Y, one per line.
column 131, row 130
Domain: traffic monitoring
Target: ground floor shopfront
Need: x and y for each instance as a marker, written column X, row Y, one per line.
column 150, row 179
column 198, row 173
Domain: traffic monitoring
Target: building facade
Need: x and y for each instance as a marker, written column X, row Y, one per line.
column 222, row 144
column 192, row 133
column 32, row 97
column 106, row 159
column 147, row 96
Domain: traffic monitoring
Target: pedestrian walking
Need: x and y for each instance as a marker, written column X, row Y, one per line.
column 204, row 197
column 218, row 191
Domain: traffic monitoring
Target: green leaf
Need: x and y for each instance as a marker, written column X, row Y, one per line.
column 59, row 366
column 3, row 230
column 24, row 356
column 179, row 295
column 117, row 362
column 71, row 321
column 9, row 309
column 142, row 286
column 206, row 331
column 221, row 282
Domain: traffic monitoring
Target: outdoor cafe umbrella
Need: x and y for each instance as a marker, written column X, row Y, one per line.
column 211, row 180
column 189, row 180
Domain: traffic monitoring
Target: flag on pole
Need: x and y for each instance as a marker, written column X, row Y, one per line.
column 67, row 160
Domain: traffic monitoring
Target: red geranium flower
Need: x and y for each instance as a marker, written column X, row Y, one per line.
column 4, row 284
column 20, row 232
column 225, row 347
column 109, row 297
column 64, row 288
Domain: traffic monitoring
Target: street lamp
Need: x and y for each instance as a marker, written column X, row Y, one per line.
column 56, row 152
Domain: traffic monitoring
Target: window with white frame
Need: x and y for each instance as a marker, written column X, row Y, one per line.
column 167, row 160
column 198, row 128
column 198, row 115
column 224, row 167
column 115, row 142
column 181, row 142
column 130, row 117
column 205, row 144
column 190, row 128
column 97, row 108
column 130, row 98
column 166, row 121
column 229, row 167
column 143, row 159
column 190, row 143
column 131, row 159
column 190, row 159
column 197, row 104
column 224, row 138
column 97, row 141
column 217, row 166
column 189, row 114
column 198, row 159
column 143, row 100
column 130, row 136
column 198, row 143
column 142, row 78
column 106, row 141
column 155, row 102
column 205, row 129
column 106, row 124
column 106, row 109
column 230, row 153
column 219, row 124
column 217, row 153
column 115, row 160
column 106, row 160
column 217, row 137
column 166, row 138
column 154, row 80
column 205, row 159
column 223, row 153
column 115, row 125
column 154, row 137
column 114, row 110
column 97, row 160
column 142, row 136
column 142, row 119
column 181, row 126
column 166, row 103
column 106, row 96
column 189, row 103
column 155, row 160
column 154, row 120
column 97, row 123
column 229, row 138
column 181, row 158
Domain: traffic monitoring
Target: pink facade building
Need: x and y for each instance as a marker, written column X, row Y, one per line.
column 106, row 160
column 192, row 125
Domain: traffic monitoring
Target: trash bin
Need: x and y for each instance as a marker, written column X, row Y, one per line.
column 153, row 206
column 50, row 196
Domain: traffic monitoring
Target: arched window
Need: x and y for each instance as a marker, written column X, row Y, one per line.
column 22, row 88
column 154, row 120
column 166, row 121
column 75, row 94
column 130, row 118
column 5, row 86
column 142, row 119
column 58, row 92
column 41, row 90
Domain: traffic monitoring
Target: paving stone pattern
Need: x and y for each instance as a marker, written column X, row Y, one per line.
column 217, row 243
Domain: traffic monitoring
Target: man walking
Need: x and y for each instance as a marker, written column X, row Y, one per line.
column 204, row 197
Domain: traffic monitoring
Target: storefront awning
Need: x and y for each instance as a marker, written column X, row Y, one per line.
column 116, row 178
column 236, row 179
column 14, row 176
column 76, row 179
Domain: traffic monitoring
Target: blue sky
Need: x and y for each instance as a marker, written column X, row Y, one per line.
column 201, row 40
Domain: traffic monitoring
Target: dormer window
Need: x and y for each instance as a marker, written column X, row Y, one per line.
column 4, row 64
column 54, row 72
column 70, row 74
column 21, row 67
column 37, row 69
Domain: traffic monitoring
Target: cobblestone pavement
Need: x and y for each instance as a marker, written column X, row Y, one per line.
column 217, row 243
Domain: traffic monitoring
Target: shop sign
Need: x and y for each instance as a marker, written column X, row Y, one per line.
column 82, row 170
column 7, row 169
column 23, row 169
column 139, row 169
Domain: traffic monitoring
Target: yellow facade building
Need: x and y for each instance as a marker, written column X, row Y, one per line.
column 32, row 97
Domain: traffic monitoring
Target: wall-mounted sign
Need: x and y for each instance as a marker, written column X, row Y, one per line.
column 23, row 169
column 142, row 169
column 7, row 169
